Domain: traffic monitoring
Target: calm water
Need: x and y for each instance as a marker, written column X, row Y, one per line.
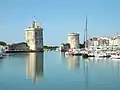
column 54, row 71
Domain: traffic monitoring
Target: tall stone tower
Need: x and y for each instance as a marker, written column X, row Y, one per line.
column 34, row 37
column 73, row 40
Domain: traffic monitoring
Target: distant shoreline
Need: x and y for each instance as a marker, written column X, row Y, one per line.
column 24, row 51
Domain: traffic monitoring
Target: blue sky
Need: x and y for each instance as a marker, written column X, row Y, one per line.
column 58, row 18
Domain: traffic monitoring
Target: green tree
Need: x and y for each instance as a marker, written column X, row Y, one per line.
column 2, row 43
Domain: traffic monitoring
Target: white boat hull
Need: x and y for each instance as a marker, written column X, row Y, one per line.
column 115, row 57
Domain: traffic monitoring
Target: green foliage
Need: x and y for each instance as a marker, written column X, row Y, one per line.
column 82, row 45
column 2, row 43
column 50, row 47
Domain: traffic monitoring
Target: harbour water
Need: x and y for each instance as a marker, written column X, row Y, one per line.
column 53, row 71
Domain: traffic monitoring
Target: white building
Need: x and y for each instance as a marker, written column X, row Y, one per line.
column 73, row 40
column 93, row 42
column 114, row 41
column 99, row 42
column 105, row 42
column 118, row 41
column 34, row 37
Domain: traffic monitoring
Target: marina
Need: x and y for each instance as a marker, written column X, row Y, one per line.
column 60, row 45
column 98, row 47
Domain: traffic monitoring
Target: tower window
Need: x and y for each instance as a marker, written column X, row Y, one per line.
column 35, row 34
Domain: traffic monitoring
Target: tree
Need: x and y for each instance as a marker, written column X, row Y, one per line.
column 2, row 43
column 82, row 45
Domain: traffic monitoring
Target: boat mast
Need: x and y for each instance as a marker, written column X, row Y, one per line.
column 84, row 38
column 86, row 35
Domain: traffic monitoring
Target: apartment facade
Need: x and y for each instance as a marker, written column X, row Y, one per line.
column 102, row 42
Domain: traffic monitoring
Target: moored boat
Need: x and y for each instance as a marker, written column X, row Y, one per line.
column 1, row 56
column 116, row 56
column 85, row 54
column 76, row 52
column 69, row 52
column 91, row 54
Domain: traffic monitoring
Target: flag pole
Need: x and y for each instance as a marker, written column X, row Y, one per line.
column 33, row 18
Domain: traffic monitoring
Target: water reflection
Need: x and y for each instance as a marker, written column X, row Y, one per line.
column 34, row 66
column 86, row 73
column 73, row 62
column 62, row 55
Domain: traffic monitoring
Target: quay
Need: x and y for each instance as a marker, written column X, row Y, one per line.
column 24, row 51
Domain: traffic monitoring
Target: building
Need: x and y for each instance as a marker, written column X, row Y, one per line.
column 64, row 47
column 118, row 41
column 114, row 41
column 22, row 46
column 105, row 42
column 34, row 37
column 73, row 40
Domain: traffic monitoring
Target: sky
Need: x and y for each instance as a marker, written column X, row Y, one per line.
column 58, row 18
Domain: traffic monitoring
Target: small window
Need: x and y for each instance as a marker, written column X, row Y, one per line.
column 36, row 34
